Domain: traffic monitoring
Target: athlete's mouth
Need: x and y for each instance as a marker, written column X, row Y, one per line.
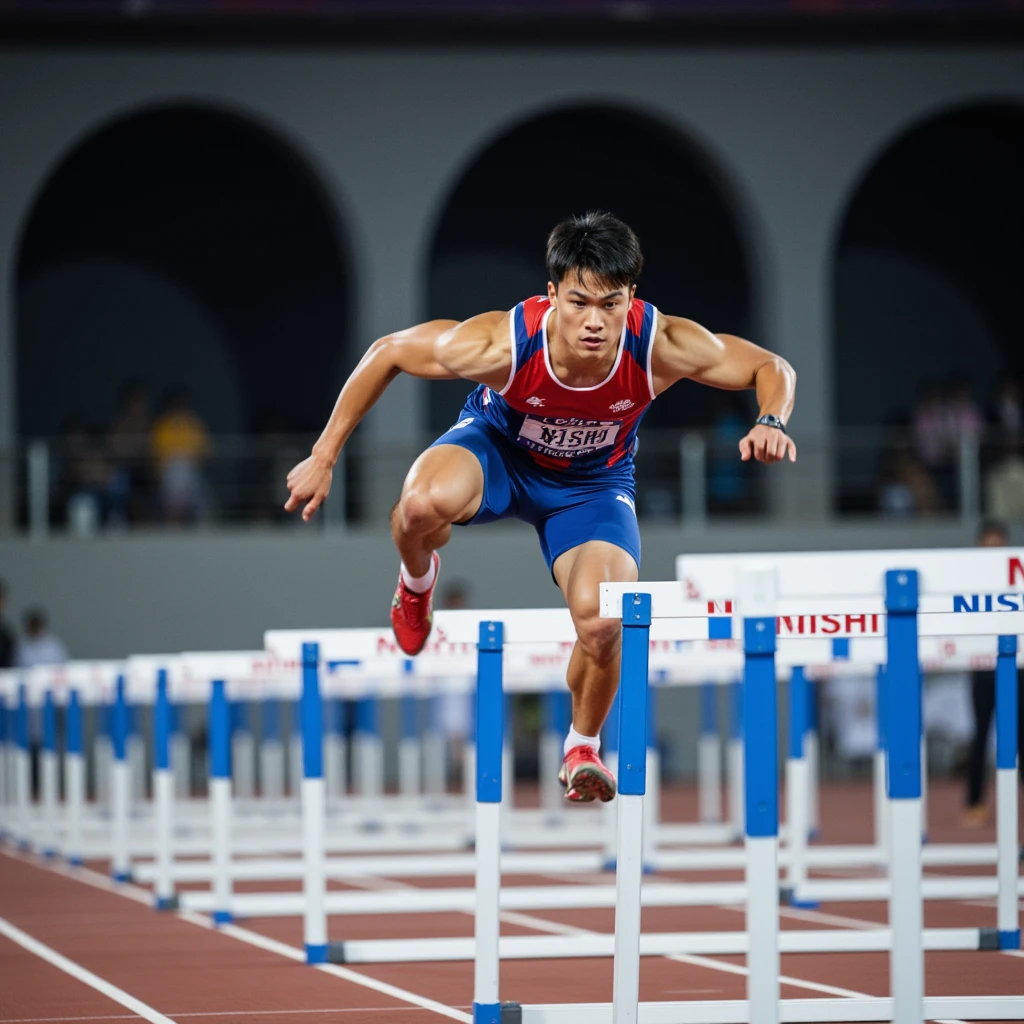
column 591, row 341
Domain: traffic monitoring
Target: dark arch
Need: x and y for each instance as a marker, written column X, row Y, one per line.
column 488, row 248
column 926, row 275
column 170, row 222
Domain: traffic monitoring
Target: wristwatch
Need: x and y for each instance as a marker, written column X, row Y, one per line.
column 771, row 420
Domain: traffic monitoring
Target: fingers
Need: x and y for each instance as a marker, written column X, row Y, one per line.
column 314, row 503
column 792, row 449
column 746, row 449
column 292, row 503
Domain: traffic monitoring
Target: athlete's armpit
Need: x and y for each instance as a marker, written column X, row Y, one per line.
column 478, row 349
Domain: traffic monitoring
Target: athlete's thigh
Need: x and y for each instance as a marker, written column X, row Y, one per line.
column 465, row 474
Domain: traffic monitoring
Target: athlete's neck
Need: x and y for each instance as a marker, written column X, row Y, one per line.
column 575, row 370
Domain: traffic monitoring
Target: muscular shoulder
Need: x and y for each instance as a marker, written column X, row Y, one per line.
column 682, row 348
column 478, row 349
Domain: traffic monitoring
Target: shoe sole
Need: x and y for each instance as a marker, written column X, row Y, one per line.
column 591, row 784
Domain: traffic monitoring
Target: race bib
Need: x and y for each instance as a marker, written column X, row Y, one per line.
column 567, row 438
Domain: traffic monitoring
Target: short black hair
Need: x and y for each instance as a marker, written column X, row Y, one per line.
column 597, row 243
column 993, row 526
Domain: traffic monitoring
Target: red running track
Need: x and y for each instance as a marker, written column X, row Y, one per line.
column 180, row 969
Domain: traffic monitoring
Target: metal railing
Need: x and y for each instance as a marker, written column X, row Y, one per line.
column 690, row 477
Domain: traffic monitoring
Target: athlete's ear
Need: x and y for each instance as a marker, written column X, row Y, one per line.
column 552, row 292
column 632, row 294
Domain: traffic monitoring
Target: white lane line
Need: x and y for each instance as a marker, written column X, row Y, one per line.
column 140, row 895
column 51, row 956
column 273, row 946
column 216, row 1013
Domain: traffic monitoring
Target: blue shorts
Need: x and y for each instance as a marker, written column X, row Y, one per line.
column 565, row 511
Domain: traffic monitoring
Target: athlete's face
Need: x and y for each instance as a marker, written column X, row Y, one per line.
column 591, row 314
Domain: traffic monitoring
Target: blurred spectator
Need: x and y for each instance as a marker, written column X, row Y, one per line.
column 129, row 453
column 7, row 641
column 1004, row 486
column 38, row 646
column 963, row 414
column 180, row 445
column 84, row 476
column 991, row 534
column 907, row 489
column 1008, row 410
column 932, row 429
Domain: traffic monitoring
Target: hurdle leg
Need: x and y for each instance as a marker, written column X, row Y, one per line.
column 634, row 733
column 181, row 755
column 220, row 801
column 335, row 749
column 48, row 768
column 295, row 751
column 23, row 772
column 881, row 802
column 369, row 749
column 120, row 786
column 737, row 799
column 508, row 780
column 796, row 790
column 74, row 777
column 409, row 754
column 243, row 753
column 314, row 884
column 163, row 797
column 435, row 749
column 490, row 728
column 469, row 756
column 271, row 750
column 903, row 742
column 610, row 756
column 556, row 706
column 924, row 783
column 709, row 756
column 812, row 754
column 1006, row 792
column 136, row 757
column 652, row 785
column 760, row 732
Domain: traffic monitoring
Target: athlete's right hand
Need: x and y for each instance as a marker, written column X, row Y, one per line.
column 310, row 482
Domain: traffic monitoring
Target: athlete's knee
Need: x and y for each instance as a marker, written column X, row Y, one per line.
column 599, row 637
column 424, row 507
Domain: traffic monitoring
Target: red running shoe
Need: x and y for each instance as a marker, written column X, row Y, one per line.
column 585, row 778
column 412, row 613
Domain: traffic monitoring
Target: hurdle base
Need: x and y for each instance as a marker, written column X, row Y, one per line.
column 497, row 1013
column 988, row 938
column 788, row 898
column 1009, row 938
column 336, row 953
column 75, row 862
column 49, row 853
column 222, row 917
column 123, row 877
column 167, row 902
column 317, row 953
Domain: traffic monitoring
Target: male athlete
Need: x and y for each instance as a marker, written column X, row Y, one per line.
column 548, row 436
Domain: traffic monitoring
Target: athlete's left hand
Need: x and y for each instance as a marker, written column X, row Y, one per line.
column 767, row 444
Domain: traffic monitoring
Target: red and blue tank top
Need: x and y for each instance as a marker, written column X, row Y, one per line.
column 578, row 430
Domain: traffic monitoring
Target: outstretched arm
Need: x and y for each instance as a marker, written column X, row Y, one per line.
column 410, row 351
column 684, row 349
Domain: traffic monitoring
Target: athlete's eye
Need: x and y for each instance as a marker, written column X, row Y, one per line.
column 578, row 304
